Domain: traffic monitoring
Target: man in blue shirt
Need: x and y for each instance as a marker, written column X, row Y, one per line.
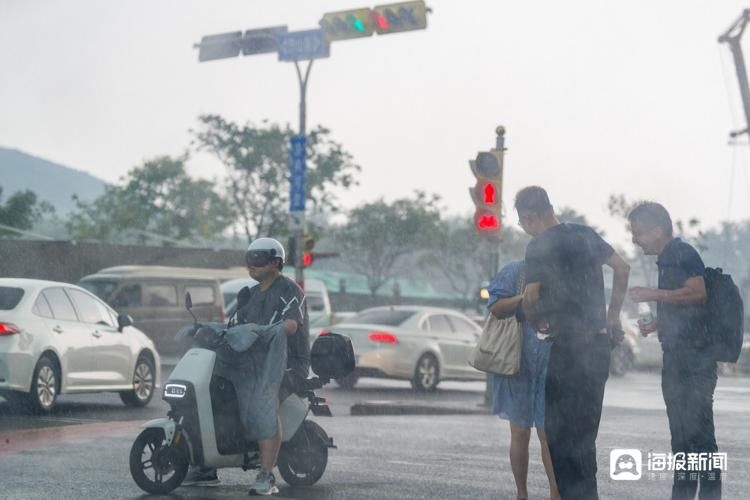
column 689, row 371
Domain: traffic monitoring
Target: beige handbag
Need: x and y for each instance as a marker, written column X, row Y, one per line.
column 499, row 348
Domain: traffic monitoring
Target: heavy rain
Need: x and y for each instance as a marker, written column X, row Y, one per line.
column 420, row 249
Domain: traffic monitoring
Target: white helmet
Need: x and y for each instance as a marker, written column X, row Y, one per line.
column 265, row 249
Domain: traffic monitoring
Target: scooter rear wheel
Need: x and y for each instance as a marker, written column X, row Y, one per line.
column 156, row 467
column 303, row 460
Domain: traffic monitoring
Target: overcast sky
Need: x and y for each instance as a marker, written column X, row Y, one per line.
column 598, row 97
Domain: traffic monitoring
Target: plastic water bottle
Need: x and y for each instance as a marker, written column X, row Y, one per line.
column 645, row 316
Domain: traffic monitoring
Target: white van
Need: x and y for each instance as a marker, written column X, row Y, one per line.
column 318, row 303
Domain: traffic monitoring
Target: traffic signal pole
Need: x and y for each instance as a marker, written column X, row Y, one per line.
column 500, row 146
column 308, row 45
column 299, row 266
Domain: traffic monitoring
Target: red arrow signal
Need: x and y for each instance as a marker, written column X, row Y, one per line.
column 488, row 222
column 489, row 193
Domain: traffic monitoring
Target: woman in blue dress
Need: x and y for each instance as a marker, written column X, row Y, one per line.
column 519, row 398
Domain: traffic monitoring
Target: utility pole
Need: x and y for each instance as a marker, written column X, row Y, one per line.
column 733, row 37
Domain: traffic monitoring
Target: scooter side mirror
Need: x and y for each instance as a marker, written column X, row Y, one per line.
column 189, row 306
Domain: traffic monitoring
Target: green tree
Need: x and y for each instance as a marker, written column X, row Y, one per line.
column 463, row 257
column 377, row 234
column 257, row 166
column 22, row 210
column 157, row 198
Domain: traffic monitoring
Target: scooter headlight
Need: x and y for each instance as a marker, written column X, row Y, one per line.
column 175, row 391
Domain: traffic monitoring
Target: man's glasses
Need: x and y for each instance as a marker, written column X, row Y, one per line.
column 258, row 258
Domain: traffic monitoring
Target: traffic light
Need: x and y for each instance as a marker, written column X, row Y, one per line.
column 291, row 251
column 397, row 17
column 308, row 257
column 383, row 19
column 346, row 24
column 487, row 192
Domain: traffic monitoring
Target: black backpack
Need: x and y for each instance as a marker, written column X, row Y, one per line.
column 332, row 356
column 725, row 315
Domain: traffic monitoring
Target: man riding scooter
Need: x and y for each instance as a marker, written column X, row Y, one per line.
column 274, row 299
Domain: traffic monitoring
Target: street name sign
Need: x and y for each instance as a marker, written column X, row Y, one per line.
column 221, row 46
column 303, row 45
column 261, row 41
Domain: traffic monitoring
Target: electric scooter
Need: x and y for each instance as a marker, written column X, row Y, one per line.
column 203, row 425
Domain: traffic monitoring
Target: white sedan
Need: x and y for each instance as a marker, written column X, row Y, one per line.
column 421, row 344
column 57, row 338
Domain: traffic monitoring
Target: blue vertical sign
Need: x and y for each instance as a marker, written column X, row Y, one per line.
column 297, row 153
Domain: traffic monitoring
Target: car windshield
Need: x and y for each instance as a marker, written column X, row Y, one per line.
column 9, row 297
column 388, row 317
column 102, row 289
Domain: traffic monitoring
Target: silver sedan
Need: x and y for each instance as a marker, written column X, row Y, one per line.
column 57, row 338
column 421, row 344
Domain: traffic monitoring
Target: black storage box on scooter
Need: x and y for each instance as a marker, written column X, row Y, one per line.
column 332, row 356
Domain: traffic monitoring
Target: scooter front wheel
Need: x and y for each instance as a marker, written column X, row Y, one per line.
column 303, row 460
column 157, row 467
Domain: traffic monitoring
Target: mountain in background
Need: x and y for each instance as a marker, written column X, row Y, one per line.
column 52, row 182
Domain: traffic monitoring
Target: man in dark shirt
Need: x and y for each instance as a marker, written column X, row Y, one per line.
column 282, row 300
column 688, row 371
column 275, row 299
column 564, row 298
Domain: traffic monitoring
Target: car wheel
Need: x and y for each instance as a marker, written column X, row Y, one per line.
column 143, row 383
column 426, row 374
column 45, row 385
column 621, row 361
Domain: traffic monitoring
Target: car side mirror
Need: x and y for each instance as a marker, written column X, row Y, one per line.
column 123, row 320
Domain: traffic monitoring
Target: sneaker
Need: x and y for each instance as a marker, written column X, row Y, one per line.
column 265, row 484
column 200, row 476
